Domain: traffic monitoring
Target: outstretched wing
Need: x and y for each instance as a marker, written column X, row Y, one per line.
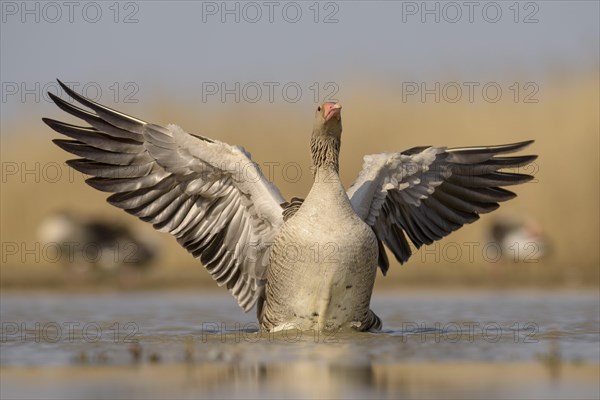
column 428, row 192
column 206, row 193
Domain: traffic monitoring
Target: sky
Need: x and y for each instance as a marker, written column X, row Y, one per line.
column 134, row 51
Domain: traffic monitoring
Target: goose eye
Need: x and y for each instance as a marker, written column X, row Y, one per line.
column 319, row 108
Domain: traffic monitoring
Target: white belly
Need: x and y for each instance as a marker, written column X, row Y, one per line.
column 321, row 274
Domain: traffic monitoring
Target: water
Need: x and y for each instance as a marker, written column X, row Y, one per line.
column 189, row 345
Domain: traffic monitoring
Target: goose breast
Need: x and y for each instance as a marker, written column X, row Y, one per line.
column 322, row 266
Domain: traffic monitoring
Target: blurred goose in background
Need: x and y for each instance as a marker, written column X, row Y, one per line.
column 306, row 264
column 91, row 244
column 519, row 239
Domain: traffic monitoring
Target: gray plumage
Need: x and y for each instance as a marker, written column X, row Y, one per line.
column 187, row 185
column 309, row 264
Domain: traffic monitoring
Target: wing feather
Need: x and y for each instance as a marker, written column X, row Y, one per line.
column 184, row 184
column 426, row 193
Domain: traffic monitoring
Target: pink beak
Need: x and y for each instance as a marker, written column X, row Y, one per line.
column 332, row 110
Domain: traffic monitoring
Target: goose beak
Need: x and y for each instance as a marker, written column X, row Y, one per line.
column 333, row 110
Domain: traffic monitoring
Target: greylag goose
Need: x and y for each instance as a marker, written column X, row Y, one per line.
column 306, row 264
column 90, row 244
column 519, row 239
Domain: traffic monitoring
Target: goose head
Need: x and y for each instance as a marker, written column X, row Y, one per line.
column 328, row 120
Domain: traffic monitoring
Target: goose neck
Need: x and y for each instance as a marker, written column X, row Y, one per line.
column 325, row 152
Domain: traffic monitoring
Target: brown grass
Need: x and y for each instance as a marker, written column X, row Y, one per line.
column 564, row 198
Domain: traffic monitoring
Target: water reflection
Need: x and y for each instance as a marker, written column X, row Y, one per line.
column 150, row 345
column 302, row 380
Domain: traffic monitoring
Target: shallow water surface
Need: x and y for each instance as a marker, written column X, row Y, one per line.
column 187, row 345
